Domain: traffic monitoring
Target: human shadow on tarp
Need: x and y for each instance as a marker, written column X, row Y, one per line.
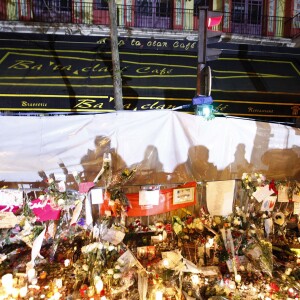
column 239, row 166
column 93, row 160
column 197, row 167
column 282, row 164
column 150, row 169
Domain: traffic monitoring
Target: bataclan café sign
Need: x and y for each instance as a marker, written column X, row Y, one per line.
column 55, row 73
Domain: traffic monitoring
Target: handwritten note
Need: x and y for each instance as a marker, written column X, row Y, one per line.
column 220, row 195
column 282, row 194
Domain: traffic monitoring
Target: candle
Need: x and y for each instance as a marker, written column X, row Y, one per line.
column 23, row 291
column 158, row 295
column 99, row 286
column 58, row 283
column 67, row 262
column 15, row 292
column 30, row 274
column 238, row 278
column 7, row 283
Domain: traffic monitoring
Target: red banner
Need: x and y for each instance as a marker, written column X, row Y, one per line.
column 166, row 201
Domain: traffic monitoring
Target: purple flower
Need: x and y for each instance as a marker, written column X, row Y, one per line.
column 81, row 221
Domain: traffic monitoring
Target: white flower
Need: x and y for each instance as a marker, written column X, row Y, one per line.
column 75, row 173
column 42, row 197
column 85, row 267
column 117, row 267
column 100, row 246
column 110, row 271
column 117, row 275
column 61, row 202
column 244, row 176
column 50, row 180
column 111, row 248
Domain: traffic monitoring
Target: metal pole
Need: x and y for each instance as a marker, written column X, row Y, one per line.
column 202, row 45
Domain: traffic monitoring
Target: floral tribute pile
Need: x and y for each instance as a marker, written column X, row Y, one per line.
column 53, row 248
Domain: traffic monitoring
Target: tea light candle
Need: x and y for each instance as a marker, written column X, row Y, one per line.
column 30, row 274
column 238, row 278
column 58, row 283
column 23, row 291
column 158, row 295
column 7, row 283
column 67, row 262
column 15, row 292
column 99, row 286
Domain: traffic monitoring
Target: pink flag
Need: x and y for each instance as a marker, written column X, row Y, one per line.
column 44, row 211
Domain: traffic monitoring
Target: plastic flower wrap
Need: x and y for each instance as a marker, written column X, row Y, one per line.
column 259, row 252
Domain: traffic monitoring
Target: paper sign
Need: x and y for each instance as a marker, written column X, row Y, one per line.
column 184, row 195
column 114, row 236
column 296, row 198
column 220, row 195
column 76, row 213
column 268, row 203
column 84, row 187
column 36, row 247
column 10, row 197
column 262, row 192
column 96, row 196
column 149, row 197
column 282, row 194
column 297, row 208
column 44, row 211
column 8, row 220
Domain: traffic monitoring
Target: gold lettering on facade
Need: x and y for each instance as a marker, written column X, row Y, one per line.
column 261, row 111
column 221, row 107
column 102, row 41
column 88, row 103
column 153, row 70
column 24, row 65
column 33, row 104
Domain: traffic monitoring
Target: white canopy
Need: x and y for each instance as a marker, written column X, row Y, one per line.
column 165, row 146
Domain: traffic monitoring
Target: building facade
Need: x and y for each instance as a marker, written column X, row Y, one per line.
column 253, row 17
column 55, row 56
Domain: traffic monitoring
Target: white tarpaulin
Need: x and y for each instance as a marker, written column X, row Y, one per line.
column 165, row 146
